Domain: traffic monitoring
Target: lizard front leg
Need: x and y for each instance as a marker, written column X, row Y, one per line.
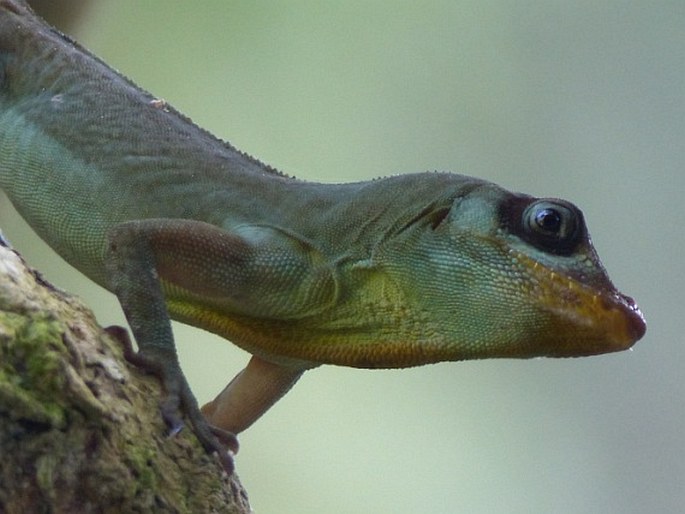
column 251, row 393
column 131, row 266
column 203, row 271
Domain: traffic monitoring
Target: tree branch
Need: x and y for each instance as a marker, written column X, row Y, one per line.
column 80, row 429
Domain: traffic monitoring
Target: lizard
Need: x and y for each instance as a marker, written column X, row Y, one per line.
column 395, row 272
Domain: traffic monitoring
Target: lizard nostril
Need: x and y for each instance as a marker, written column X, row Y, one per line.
column 636, row 320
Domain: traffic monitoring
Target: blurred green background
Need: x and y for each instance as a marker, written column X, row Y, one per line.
column 582, row 100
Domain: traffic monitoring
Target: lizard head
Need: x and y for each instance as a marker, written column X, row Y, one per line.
column 564, row 279
column 510, row 275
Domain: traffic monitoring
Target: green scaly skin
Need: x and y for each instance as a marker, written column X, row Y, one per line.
column 395, row 272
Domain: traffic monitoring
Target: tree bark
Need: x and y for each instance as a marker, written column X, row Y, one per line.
column 80, row 429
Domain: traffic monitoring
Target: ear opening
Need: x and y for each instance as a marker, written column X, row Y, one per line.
column 438, row 216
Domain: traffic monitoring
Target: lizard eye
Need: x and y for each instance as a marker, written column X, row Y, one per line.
column 552, row 225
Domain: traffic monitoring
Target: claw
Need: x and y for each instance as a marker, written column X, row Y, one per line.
column 169, row 409
column 180, row 399
column 226, row 438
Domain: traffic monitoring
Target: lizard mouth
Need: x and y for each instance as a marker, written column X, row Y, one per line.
column 586, row 320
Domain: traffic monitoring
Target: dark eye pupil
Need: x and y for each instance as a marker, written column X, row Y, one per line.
column 548, row 220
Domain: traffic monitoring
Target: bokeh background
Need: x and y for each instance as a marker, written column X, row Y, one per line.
column 582, row 100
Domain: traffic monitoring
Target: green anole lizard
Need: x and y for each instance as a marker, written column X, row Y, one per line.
column 395, row 272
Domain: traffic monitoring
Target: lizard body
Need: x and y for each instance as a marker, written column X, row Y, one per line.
column 394, row 272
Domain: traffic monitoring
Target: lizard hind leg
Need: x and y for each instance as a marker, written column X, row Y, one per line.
column 250, row 394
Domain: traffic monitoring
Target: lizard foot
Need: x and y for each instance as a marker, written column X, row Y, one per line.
column 179, row 399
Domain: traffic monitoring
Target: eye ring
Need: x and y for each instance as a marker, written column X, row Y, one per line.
column 552, row 225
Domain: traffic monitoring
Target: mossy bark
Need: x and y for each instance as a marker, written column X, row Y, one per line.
column 80, row 429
